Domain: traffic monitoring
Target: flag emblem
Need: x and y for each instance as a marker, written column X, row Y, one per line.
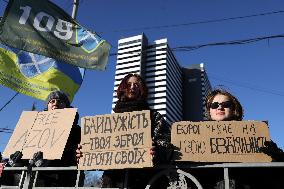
column 36, row 75
column 32, row 65
column 87, row 40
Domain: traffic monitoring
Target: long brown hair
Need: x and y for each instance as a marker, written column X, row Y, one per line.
column 121, row 90
column 237, row 108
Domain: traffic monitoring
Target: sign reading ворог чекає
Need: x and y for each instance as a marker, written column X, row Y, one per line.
column 220, row 141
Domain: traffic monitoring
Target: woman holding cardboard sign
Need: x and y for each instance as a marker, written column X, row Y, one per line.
column 55, row 100
column 132, row 95
column 223, row 106
column 59, row 100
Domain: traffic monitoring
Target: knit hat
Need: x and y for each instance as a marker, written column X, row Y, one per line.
column 58, row 95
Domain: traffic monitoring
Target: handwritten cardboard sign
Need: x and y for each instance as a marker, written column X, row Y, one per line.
column 116, row 141
column 220, row 141
column 45, row 131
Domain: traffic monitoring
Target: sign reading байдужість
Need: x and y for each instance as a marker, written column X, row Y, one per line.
column 116, row 141
column 220, row 141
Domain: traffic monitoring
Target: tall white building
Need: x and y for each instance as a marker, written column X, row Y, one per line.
column 177, row 93
column 156, row 63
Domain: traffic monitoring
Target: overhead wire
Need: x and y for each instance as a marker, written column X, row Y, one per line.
column 8, row 101
column 246, row 85
column 195, row 47
column 233, row 42
column 198, row 22
column 6, row 130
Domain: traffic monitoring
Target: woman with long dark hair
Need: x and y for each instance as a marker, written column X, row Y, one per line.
column 132, row 96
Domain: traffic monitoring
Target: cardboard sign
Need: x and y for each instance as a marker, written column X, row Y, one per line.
column 45, row 131
column 220, row 141
column 116, row 141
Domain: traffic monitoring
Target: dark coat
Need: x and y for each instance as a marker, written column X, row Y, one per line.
column 63, row 178
column 54, row 178
column 160, row 133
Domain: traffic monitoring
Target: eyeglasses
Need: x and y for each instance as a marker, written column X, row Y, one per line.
column 226, row 104
column 55, row 100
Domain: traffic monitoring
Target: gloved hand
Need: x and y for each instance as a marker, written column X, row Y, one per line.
column 15, row 158
column 273, row 151
column 37, row 159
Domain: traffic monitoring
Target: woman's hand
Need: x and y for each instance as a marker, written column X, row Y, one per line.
column 153, row 150
column 79, row 153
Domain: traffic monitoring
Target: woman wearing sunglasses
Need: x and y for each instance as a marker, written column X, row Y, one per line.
column 223, row 106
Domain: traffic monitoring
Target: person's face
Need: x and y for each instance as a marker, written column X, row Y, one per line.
column 221, row 108
column 133, row 90
column 55, row 104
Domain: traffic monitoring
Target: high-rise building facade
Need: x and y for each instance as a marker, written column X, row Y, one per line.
column 156, row 63
column 196, row 87
column 177, row 93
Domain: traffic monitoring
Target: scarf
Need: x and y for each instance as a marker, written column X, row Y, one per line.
column 129, row 106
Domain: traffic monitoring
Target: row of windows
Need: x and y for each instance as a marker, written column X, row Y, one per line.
column 127, row 65
column 155, row 79
column 175, row 86
column 152, row 64
column 156, row 68
column 174, row 60
column 174, row 98
column 175, row 77
column 130, row 54
column 130, row 43
column 129, row 60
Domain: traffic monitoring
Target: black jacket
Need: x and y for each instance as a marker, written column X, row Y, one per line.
column 54, row 178
column 63, row 178
column 160, row 133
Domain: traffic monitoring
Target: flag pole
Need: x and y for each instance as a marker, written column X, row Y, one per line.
column 75, row 9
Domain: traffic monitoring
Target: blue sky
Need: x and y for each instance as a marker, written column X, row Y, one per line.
column 252, row 72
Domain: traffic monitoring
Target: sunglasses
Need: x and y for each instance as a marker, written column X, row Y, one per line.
column 226, row 104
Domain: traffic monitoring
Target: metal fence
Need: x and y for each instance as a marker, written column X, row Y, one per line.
column 187, row 175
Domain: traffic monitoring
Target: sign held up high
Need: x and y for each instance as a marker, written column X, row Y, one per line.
column 220, row 141
column 116, row 141
column 45, row 131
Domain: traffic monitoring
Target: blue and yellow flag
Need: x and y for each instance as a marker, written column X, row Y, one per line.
column 36, row 75
column 41, row 27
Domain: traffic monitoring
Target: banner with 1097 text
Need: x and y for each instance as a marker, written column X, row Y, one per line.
column 41, row 27
column 116, row 141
